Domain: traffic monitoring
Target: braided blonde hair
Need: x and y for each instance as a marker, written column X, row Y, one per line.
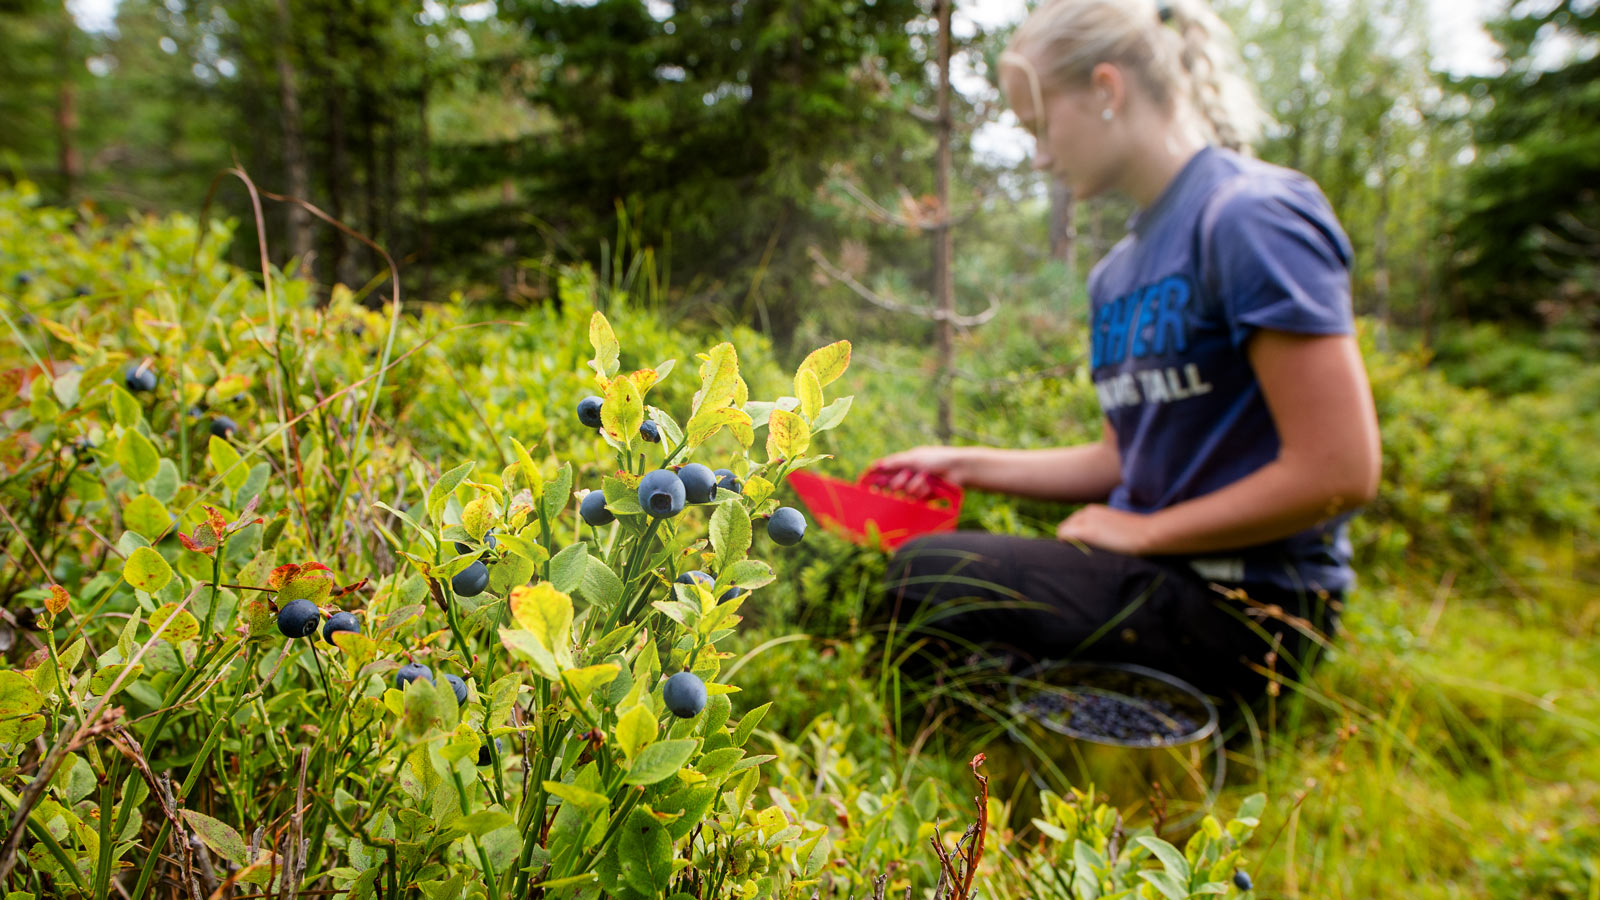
column 1188, row 65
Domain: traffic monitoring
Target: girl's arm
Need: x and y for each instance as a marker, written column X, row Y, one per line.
column 1080, row 474
column 1316, row 389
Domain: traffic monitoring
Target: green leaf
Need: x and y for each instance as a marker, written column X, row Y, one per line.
column 568, row 566
column 1176, row 865
column 621, row 499
column 730, row 533
column 124, row 409
column 525, row 547
column 529, row 470
column 558, row 492
column 1251, row 808
column 600, row 585
column 1165, row 883
column 218, row 836
column 18, row 696
column 228, row 463
column 21, row 729
column 146, row 515
column 484, row 821
column 581, row 798
column 645, row 854
column 137, row 456
column 748, row 574
column 439, row 495
column 659, row 761
column 747, row 724
column 832, row 414
column 146, row 570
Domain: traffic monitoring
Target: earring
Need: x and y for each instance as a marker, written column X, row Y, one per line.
column 1106, row 114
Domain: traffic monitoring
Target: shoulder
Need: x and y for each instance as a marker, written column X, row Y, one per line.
column 1261, row 204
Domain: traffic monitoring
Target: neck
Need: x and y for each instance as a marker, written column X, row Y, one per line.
column 1149, row 173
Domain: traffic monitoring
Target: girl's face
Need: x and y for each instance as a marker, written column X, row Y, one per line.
column 1074, row 142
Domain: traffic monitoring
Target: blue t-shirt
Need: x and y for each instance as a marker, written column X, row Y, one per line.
column 1169, row 330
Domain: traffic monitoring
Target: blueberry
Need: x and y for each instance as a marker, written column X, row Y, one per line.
column 1241, row 880
column 23, row 279
column 696, row 576
column 594, row 511
column 787, row 526
column 728, row 481
column 140, row 377
column 340, row 621
column 589, row 411
column 699, row 485
column 223, row 427
column 661, row 493
column 459, row 686
column 488, row 541
column 732, row 593
column 471, row 581
column 650, row 431
column 685, row 695
column 411, row 672
column 485, row 758
column 299, row 618
column 80, row 291
column 28, row 617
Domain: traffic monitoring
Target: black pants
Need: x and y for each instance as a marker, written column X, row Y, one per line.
column 1045, row 599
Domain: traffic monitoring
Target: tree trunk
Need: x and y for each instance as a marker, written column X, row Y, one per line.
column 1380, row 243
column 1063, row 229
column 424, row 234
column 294, row 149
column 944, row 288
column 71, row 162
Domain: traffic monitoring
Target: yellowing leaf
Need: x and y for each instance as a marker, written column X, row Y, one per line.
column 719, row 378
column 182, row 626
column 546, row 614
column 606, row 349
column 146, row 570
column 809, row 390
column 635, row 730
column 708, row 422
column 582, row 681
column 58, row 599
column 788, row 435
column 828, row 362
column 478, row 517
column 623, row 411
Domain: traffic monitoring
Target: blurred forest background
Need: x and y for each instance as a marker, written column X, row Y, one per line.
column 480, row 143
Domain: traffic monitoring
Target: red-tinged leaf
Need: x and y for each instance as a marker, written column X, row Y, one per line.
column 314, row 567
column 215, row 520
column 245, row 519
column 58, row 599
column 197, row 546
column 350, row 588
column 282, row 575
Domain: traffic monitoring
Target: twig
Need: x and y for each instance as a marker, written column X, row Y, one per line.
column 882, row 302
column 296, row 863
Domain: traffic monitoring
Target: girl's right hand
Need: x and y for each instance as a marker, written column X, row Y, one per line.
column 909, row 470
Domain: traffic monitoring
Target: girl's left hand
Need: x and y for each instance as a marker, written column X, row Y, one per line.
column 1101, row 526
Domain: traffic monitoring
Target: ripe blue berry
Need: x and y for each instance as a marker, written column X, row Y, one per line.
column 593, row 509
column 650, row 431
column 727, row 481
column 340, row 621
column 140, row 377
column 488, row 541
column 699, row 485
column 1241, row 880
column 695, row 576
column 787, row 526
column 484, row 756
column 411, row 672
column 459, row 686
column 661, row 493
column 731, row 593
column 223, row 427
column 299, row 618
column 471, row 581
column 589, row 411
column 685, row 695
